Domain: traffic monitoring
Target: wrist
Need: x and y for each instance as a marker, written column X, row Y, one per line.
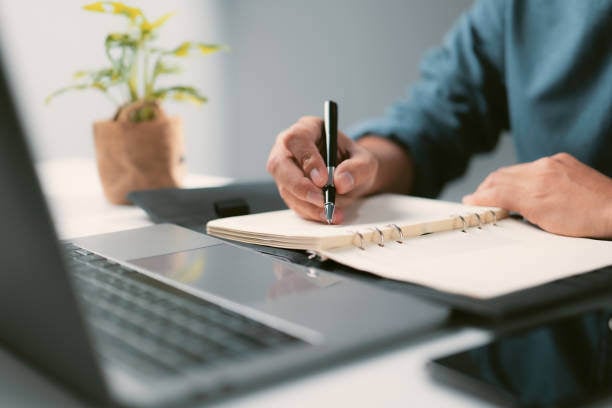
column 394, row 166
column 607, row 233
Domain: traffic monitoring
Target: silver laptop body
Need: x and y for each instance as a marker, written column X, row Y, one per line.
column 45, row 317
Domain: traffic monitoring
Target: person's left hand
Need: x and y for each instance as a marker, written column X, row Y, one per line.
column 558, row 193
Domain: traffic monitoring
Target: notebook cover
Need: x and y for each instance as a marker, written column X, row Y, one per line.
column 192, row 208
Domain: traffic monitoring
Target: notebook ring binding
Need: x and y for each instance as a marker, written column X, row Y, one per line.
column 381, row 237
column 361, row 240
column 494, row 217
column 463, row 227
column 479, row 220
column 399, row 231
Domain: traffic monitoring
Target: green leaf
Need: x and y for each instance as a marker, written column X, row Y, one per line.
column 135, row 62
column 210, row 48
column 106, row 76
column 184, row 49
column 121, row 39
column 147, row 27
column 180, row 93
column 120, row 49
column 162, row 68
column 115, row 7
column 77, row 87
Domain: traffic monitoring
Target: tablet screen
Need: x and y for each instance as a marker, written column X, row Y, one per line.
column 564, row 362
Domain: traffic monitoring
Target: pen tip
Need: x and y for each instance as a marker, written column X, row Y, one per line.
column 329, row 212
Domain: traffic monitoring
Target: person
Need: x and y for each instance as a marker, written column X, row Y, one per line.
column 540, row 69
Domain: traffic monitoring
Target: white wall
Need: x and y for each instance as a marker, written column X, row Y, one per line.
column 49, row 40
column 289, row 56
column 292, row 55
column 286, row 58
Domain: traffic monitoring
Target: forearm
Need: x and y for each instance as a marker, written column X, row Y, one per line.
column 608, row 218
column 395, row 172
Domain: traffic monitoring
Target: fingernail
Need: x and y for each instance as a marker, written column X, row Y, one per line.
column 346, row 180
column 315, row 175
column 315, row 197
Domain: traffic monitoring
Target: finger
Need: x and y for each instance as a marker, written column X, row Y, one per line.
column 503, row 175
column 346, row 145
column 293, row 180
column 311, row 126
column 494, row 182
column 505, row 196
column 301, row 141
column 341, row 208
column 303, row 208
column 354, row 173
column 308, row 158
column 310, row 211
column 300, row 194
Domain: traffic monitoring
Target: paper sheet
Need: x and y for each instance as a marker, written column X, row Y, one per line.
column 291, row 231
column 482, row 263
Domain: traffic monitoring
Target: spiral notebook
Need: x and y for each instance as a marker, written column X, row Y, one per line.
column 473, row 251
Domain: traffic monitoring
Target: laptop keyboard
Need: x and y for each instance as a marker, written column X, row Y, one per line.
column 156, row 329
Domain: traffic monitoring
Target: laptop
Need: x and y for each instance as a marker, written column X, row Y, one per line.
column 162, row 315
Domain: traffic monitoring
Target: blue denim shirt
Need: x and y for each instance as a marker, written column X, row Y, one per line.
column 539, row 68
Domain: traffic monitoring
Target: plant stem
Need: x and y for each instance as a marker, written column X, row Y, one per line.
column 133, row 81
column 145, row 73
column 154, row 74
column 124, row 95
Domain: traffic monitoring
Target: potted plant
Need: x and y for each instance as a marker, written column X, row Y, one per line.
column 140, row 147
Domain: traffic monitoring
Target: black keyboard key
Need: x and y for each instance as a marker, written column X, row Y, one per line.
column 116, row 351
column 143, row 323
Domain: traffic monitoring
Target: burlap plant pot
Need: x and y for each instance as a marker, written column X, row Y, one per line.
column 138, row 155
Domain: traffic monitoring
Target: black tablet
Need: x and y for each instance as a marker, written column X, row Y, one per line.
column 564, row 362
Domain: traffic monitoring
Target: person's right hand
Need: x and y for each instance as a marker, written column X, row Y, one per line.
column 299, row 170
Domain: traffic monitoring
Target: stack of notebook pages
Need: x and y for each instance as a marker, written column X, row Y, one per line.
column 474, row 251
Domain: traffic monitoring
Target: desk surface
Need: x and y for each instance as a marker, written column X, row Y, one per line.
column 395, row 377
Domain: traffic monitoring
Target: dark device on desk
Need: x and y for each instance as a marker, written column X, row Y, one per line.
column 164, row 315
column 564, row 362
column 193, row 207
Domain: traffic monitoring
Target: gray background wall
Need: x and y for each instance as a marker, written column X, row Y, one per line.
column 286, row 58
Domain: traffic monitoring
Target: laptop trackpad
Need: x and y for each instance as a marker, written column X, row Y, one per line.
column 236, row 274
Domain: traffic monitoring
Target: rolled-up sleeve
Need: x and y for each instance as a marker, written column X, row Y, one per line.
column 459, row 105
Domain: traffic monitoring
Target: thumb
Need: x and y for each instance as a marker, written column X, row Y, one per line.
column 357, row 172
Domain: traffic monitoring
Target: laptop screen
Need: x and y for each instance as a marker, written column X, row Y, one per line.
column 39, row 316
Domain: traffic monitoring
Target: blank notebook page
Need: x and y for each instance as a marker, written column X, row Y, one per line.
column 482, row 263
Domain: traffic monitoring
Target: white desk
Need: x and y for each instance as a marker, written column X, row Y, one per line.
column 77, row 203
column 393, row 378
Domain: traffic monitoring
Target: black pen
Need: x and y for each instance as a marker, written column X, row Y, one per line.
column 330, row 116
